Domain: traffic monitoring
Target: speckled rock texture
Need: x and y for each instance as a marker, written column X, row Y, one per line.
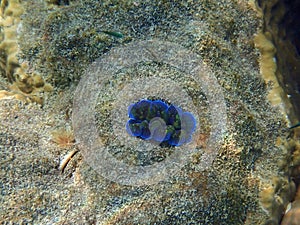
column 246, row 184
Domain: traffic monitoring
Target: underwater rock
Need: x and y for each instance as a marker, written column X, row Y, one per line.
column 198, row 55
column 292, row 215
column 281, row 23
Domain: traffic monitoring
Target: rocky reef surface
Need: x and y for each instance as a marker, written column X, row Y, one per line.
column 242, row 126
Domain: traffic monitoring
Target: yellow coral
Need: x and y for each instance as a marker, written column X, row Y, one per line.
column 268, row 69
column 292, row 217
column 26, row 87
column 275, row 196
